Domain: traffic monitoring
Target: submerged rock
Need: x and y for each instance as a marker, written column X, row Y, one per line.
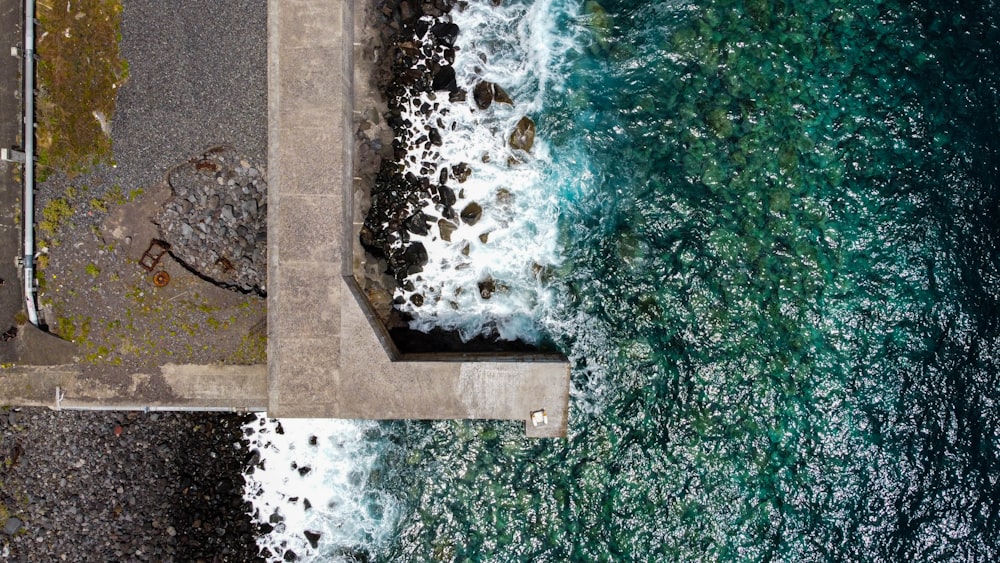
column 500, row 96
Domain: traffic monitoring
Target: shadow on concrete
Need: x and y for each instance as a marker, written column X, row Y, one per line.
column 39, row 348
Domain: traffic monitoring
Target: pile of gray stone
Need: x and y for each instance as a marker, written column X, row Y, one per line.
column 216, row 219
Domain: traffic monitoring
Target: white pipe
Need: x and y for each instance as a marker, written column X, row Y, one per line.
column 160, row 408
column 29, row 161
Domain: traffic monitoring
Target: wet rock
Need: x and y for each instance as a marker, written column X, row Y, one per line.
column 435, row 136
column 417, row 224
column 444, row 80
column 313, row 538
column 523, row 136
column 487, row 287
column 461, row 171
column 446, row 228
column 446, row 196
column 415, row 257
column 446, row 33
column 500, row 96
column 483, row 94
column 457, row 96
column 471, row 213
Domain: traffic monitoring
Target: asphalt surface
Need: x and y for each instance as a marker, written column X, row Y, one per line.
column 10, row 190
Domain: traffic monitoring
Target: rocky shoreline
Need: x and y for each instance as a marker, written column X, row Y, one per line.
column 123, row 486
column 416, row 192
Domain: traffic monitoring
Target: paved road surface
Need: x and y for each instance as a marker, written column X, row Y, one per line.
column 10, row 191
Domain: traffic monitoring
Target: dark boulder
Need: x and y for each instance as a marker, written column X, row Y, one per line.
column 434, row 135
column 446, row 196
column 417, row 224
column 444, row 80
column 446, row 33
column 483, row 94
column 471, row 213
column 415, row 257
column 313, row 538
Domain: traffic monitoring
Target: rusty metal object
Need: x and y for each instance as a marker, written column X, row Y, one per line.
column 150, row 258
column 161, row 279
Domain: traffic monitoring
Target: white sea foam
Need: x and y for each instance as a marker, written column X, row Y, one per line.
column 516, row 47
column 344, row 511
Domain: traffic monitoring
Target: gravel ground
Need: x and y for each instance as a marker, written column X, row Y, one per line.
column 107, row 486
column 123, row 486
column 197, row 79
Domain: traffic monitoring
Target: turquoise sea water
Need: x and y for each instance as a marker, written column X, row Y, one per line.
column 779, row 292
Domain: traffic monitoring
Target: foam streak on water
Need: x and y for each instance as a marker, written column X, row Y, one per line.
column 516, row 240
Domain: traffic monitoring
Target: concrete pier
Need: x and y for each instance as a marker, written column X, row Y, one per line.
column 328, row 356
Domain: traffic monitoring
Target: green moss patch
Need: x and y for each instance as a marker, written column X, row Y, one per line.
column 79, row 72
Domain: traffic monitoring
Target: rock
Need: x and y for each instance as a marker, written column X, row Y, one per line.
column 457, row 96
column 483, row 94
column 444, row 80
column 461, row 171
column 446, row 196
column 415, row 257
column 417, row 224
column 12, row 525
column 249, row 207
column 487, row 287
column 206, row 220
column 500, row 96
column 435, row 136
column 446, row 33
column 523, row 136
column 471, row 213
column 446, row 228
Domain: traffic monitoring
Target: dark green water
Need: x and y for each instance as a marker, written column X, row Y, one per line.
column 780, row 296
